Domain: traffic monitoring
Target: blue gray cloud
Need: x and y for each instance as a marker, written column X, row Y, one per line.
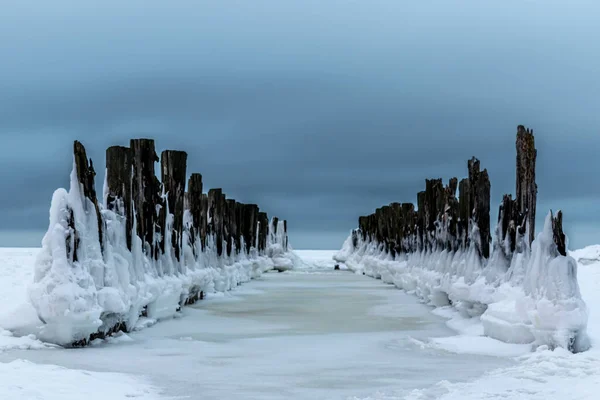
column 318, row 111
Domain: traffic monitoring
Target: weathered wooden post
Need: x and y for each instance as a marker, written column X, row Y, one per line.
column 119, row 166
column 254, row 224
column 558, row 235
column 434, row 202
column 226, row 227
column 362, row 225
column 480, row 198
column 195, row 207
column 285, row 235
column 204, row 220
column 464, row 212
column 173, row 174
column 397, row 226
column 233, row 228
column 408, row 227
column 145, row 192
column 85, row 176
column 215, row 216
column 451, row 215
column 263, row 230
column 421, row 222
column 526, row 195
column 275, row 225
column 239, row 217
column 508, row 215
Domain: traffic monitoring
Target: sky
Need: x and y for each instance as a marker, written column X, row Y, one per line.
column 318, row 111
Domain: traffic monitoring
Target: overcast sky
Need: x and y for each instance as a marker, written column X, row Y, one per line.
column 318, row 111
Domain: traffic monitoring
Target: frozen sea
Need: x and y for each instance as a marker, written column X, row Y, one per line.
column 312, row 333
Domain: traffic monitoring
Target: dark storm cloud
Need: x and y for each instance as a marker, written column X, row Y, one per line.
column 319, row 112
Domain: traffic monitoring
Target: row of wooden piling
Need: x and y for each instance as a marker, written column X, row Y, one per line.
column 135, row 192
column 442, row 221
column 155, row 210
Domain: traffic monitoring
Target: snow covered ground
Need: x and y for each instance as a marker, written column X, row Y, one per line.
column 312, row 333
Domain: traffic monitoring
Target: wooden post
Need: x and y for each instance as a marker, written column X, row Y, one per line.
column 119, row 166
column 373, row 226
column 464, row 212
column 204, row 220
column 285, row 235
column 558, row 235
column 362, row 224
column 451, row 215
column 254, row 224
column 215, row 215
column 195, row 207
column 263, row 231
column 397, row 225
column 507, row 223
column 421, row 222
column 85, row 176
column 226, row 231
column 145, row 191
column 239, row 218
column 434, row 204
column 250, row 224
column 231, row 216
column 173, row 173
column 480, row 198
column 408, row 227
column 526, row 187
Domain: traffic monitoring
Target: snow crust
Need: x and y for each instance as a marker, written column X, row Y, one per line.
column 21, row 379
column 104, row 287
column 535, row 299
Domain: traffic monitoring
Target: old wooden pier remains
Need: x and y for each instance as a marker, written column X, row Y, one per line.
column 445, row 221
column 163, row 216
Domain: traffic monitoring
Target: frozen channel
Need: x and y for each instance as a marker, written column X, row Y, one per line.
column 299, row 335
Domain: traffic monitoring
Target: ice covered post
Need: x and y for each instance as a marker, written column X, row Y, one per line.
column 250, row 220
column 145, row 192
column 433, row 207
column 516, row 218
column 194, row 195
column 526, row 191
column 215, row 218
column 263, row 230
column 119, row 165
column 173, row 174
column 86, row 178
column 451, row 215
column 479, row 184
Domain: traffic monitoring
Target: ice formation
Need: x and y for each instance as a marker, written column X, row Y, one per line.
column 90, row 281
column 543, row 306
column 523, row 290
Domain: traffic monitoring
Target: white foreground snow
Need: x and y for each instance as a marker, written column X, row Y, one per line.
column 24, row 380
